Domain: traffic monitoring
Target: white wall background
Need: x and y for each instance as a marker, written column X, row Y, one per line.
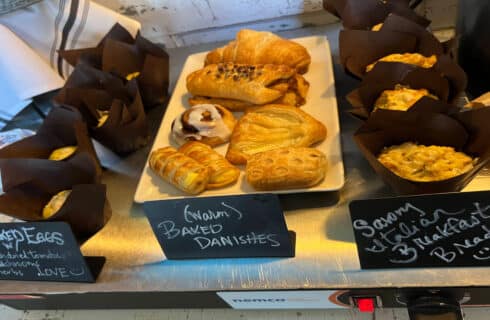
column 185, row 22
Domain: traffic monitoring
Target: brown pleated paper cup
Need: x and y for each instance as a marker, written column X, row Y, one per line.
column 95, row 93
column 63, row 127
column 122, row 55
column 386, row 75
column 85, row 209
column 467, row 132
column 363, row 15
column 359, row 48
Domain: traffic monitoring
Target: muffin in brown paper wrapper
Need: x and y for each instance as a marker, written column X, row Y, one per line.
column 360, row 48
column 426, row 41
column 62, row 127
column 85, row 209
column 467, row 132
column 386, row 75
column 445, row 79
column 120, row 54
column 92, row 92
column 356, row 14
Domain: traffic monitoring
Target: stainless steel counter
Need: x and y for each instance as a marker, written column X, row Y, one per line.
column 326, row 255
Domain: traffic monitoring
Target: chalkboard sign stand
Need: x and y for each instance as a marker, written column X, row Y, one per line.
column 292, row 236
column 423, row 231
column 95, row 265
column 44, row 251
column 245, row 226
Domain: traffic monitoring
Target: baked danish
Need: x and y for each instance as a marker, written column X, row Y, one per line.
column 208, row 123
column 271, row 127
column 180, row 170
column 221, row 172
column 286, row 168
column 250, row 84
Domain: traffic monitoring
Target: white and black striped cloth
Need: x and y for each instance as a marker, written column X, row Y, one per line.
column 46, row 27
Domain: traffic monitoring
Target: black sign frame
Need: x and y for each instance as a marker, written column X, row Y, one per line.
column 436, row 230
column 245, row 226
column 44, row 251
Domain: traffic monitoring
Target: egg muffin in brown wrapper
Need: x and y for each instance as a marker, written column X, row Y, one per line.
column 64, row 138
column 113, row 110
column 129, row 58
column 386, row 77
column 59, row 157
column 466, row 132
column 85, row 208
column 360, row 49
column 365, row 14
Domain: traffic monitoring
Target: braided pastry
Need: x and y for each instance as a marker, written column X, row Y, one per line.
column 180, row 170
column 222, row 173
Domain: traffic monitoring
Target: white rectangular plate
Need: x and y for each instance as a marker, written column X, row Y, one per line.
column 320, row 103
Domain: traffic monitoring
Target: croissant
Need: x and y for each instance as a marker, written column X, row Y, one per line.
column 180, row 170
column 222, row 173
column 252, row 84
column 261, row 47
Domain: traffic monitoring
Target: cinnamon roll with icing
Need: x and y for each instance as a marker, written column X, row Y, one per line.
column 207, row 123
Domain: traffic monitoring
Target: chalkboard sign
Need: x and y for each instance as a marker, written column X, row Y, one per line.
column 440, row 230
column 221, row 227
column 43, row 251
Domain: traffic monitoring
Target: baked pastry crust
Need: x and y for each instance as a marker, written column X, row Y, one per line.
column 222, row 173
column 208, row 123
column 270, row 127
column 261, row 47
column 55, row 204
column 425, row 163
column 415, row 59
column 401, row 98
column 294, row 96
column 255, row 84
column 62, row 153
column 180, row 170
column 286, row 168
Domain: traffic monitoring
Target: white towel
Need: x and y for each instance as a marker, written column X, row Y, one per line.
column 23, row 74
column 30, row 38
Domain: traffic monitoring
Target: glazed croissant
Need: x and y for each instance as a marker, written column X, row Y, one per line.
column 251, row 84
column 180, row 170
column 261, row 47
column 222, row 173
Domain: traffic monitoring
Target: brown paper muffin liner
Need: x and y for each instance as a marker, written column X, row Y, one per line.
column 91, row 90
column 427, row 43
column 467, row 132
column 386, row 75
column 86, row 209
column 445, row 79
column 62, row 127
column 121, row 54
column 365, row 14
column 359, row 48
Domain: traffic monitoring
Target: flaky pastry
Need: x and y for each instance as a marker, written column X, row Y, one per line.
column 286, row 168
column 180, row 170
column 261, row 47
column 221, row 172
column 253, row 84
column 271, row 127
